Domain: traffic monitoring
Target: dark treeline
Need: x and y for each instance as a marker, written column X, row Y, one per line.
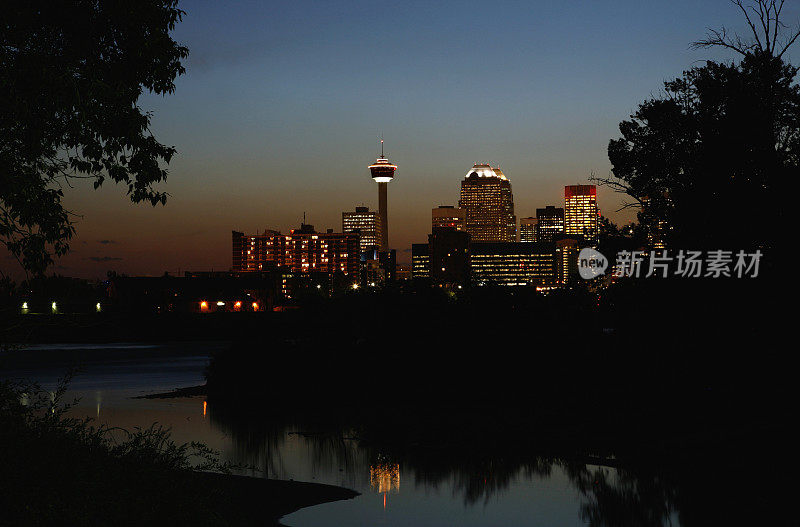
column 662, row 344
column 680, row 385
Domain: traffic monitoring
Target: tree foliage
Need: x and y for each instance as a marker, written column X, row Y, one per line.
column 713, row 155
column 71, row 74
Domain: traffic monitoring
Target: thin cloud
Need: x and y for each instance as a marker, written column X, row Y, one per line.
column 104, row 258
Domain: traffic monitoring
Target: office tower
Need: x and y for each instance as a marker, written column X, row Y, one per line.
column 388, row 265
column 549, row 224
column 420, row 261
column 448, row 217
column 303, row 250
column 527, row 230
column 489, row 204
column 448, row 251
column 512, row 264
column 567, row 250
column 580, row 212
column 366, row 223
column 382, row 173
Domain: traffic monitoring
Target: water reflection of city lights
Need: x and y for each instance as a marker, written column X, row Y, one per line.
column 384, row 477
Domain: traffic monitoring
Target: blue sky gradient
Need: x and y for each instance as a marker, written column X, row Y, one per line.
column 282, row 104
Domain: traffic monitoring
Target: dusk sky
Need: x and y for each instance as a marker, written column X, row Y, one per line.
column 282, row 105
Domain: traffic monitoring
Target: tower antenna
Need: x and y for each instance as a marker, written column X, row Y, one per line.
column 382, row 144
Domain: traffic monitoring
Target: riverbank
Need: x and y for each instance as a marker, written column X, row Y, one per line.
column 257, row 501
column 57, row 470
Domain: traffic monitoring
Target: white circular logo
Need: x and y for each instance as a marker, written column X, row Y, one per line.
column 591, row 263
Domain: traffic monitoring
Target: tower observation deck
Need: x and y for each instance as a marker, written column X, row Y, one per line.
column 382, row 172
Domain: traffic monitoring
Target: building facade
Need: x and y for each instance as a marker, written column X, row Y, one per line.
column 420, row 261
column 303, row 250
column 448, row 251
column 566, row 259
column 549, row 224
column 448, row 217
column 254, row 252
column 512, row 264
column 581, row 216
column 367, row 224
column 527, row 230
column 488, row 203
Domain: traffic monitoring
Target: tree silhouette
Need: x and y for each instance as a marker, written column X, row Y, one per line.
column 770, row 35
column 71, row 74
column 712, row 156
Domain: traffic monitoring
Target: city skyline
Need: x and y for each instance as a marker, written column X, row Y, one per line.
column 255, row 154
column 208, row 316
column 115, row 264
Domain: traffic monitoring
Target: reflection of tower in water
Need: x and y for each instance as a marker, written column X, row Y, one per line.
column 384, row 478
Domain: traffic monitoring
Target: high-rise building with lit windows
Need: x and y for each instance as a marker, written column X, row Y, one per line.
column 367, row 224
column 527, row 230
column 549, row 224
column 580, row 212
column 489, row 205
column 448, row 217
column 303, row 250
column 420, row 261
column 566, row 259
column 254, row 252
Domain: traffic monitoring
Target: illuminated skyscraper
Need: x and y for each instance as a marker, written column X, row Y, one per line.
column 489, row 204
column 527, row 230
column 549, row 224
column 368, row 225
column 566, row 260
column 447, row 216
column 382, row 173
column 580, row 212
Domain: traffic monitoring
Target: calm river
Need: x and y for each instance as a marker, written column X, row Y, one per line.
column 112, row 376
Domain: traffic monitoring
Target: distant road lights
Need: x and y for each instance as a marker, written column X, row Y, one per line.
column 255, row 306
column 203, row 306
column 220, row 303
column 24, row 305
column 237, row 305
column 319, row 286
column 355, row 286
column 97, row 307
column 54, row 307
